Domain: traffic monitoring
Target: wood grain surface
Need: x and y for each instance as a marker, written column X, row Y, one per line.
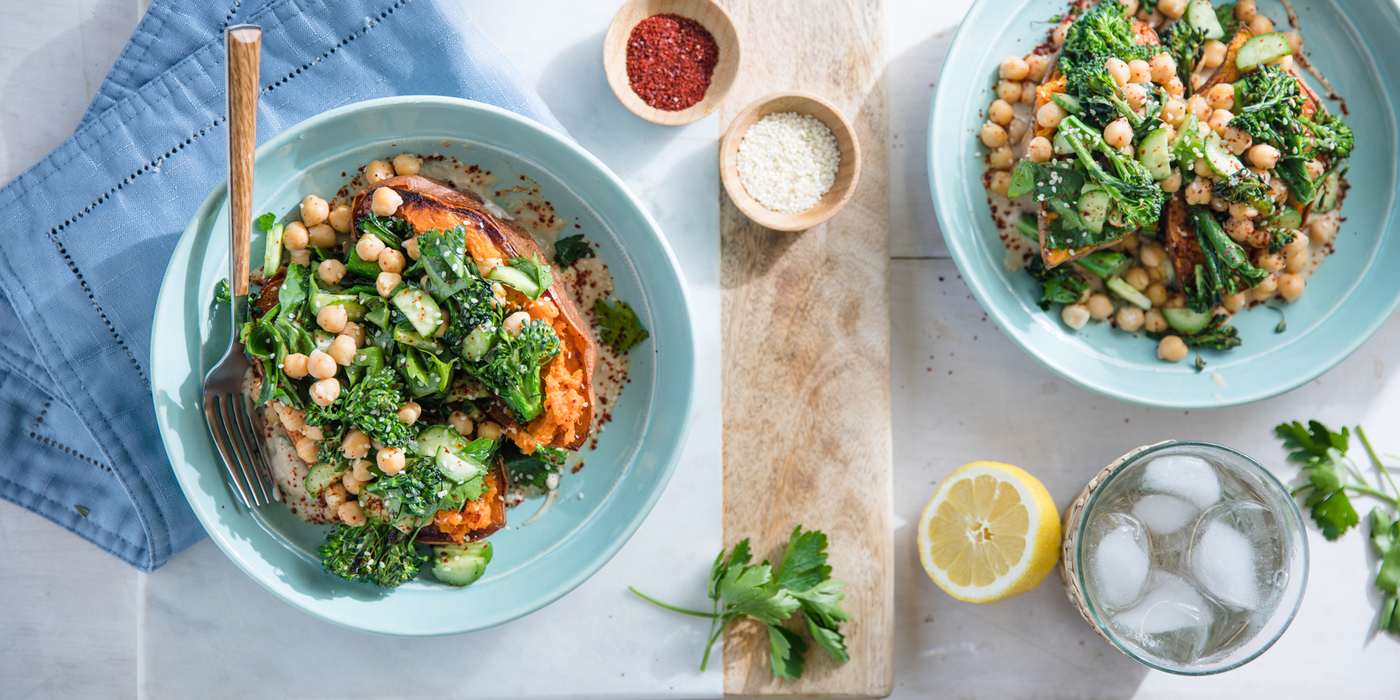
column 806, row 382
column 243, row 48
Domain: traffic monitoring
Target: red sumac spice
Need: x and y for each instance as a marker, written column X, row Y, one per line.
column 670, row 60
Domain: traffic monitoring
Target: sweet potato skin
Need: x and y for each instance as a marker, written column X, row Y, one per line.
column 1180, row 242
column 428, row 205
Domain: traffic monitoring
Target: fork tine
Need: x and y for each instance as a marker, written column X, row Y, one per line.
column 252, row 444
column 235, row 432
column 214, row 417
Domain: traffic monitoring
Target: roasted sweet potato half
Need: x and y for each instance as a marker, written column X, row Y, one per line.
column 476, row 520
column 568, row 378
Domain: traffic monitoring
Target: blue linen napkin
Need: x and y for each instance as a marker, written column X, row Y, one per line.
column 85, row 235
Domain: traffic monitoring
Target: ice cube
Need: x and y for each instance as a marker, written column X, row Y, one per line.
column 1186, row 477
column 1163, row 514
column 1120, row 563
column 1225, row 564
column 1172, row 621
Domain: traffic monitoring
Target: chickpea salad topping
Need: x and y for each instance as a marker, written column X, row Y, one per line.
column 1163, row 166
column 419, row 364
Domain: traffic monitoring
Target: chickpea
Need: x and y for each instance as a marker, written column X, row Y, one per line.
column 1314, row 169
column 1050, row 115
column 1008, row 91
column 1139, row 72
column 1290, row 286
column 1261, row 25
column 1245, row 10
column 385, row 201
column 1265, row 289
column 409, row 412
column 356, row 333
column 1014, row 68
column 342, row 350
column 1152, row 254
column 1119, row 70
column 377, row 171
column 340, row 218
column 1100, row 307
column 355, row 444
column 1076, row 316
column 1175, row 301
column 335, row 495
column 1163, row 68
column 1118, row 133
column 1137, row 278
column 1000, row 112
column 999, row 182
column 314, row 210
column 390, row 460
column 411, row 247
column 322, row 236
column 351, row 513
column 294, row 236
column 1219, row 204
column 1242, row 210
column 1239, row 229
column 1172, row 183
column 1172, row 8
column 360, row 470
column 1175, row 87
column 1154, row 321
column 1299, row 243
column 369, row 246
column 1198, row 106
column 1202, row 168
column 1171, row 349
column 1237, row 140
column 291, row 418
column 1136, row 95
column 1173, row 111
column 294, row 365
column 1002, row 158
column 306, row 450
column 300, row 257
column 311, row 431
column 1295, row 41
column 320, row 365
column 406, row 164
column 332, row 319
column 391, row 261
column 1222, row 96
column 1061, row 31
column 1214, row 53
column 1199, row 191
column 1269, row 262
column 1017, row 129
column 515, row 322
column 460, row 422
column 1131, row 5
column 1039, row 150
column 387, row 282
column 1028, row 93
column 1154, row 274
column 1322, row 229
column 1278, row 191
column 1219, row 120
column 1286, row 63
column 993, row 136
column 1131, row 242
column 1297, row 262
column 1038, row 65
column 1130, row 318
column 489, row 430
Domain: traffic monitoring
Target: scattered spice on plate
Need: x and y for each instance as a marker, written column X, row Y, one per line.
column 670, row 60
column 787, row 161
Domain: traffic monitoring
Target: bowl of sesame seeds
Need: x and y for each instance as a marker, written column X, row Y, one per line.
column 790, row 161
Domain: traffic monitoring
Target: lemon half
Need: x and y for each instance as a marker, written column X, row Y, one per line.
column 989, row 533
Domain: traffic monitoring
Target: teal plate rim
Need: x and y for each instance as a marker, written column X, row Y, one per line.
column 417, row 609
column 1360, row 298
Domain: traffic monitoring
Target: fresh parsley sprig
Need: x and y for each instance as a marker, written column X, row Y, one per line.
column 801, row 583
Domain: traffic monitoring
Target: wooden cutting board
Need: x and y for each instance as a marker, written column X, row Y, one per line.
column 806, row 327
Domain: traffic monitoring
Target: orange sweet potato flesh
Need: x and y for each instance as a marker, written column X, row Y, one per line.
column 476, row 520
column 568, row 378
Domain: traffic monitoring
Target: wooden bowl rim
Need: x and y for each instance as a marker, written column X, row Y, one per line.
column 835, row 198
column 722, row 80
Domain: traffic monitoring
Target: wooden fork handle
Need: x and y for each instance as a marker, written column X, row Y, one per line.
column 242, row 45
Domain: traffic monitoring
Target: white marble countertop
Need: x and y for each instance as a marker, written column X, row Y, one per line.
column 72, row 619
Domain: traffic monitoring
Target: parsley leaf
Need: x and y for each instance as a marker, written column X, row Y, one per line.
column 222, row 294
column 571, row 248
column 801, row 583
column 267, row 221
column 1321, row 452
column 621, row 329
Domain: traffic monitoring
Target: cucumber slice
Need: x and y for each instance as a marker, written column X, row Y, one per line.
column 515, row 278
column 1130, row 295
column 421, row 310
column 1106, row 263
column 1186, row 320
column 1221, row 160
column 272, row 250
column 354, row 310
column 320, row 476
column 475, row 345
column 457, row 468
column 1060, row 145
column 1156, row 155
column 461, row 565
column 323, row 339
column 1262, row 49
column 1093, row 209
column 409, row 337
column 1202, row 16
column 1070, row 103
column 1329, row 194
column 430, row 441
column 1289, row 218
column 1028, row 226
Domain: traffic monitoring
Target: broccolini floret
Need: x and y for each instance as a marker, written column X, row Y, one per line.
column 1138, row 197
column 1227, row 269
column 511, row 368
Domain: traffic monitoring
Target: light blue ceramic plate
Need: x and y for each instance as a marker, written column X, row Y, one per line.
column 600, row 506
column 1354, row 44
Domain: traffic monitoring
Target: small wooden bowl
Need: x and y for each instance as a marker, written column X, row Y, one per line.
column 710, row 16
column 847, row 174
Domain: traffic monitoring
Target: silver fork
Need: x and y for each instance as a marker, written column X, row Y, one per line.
column 225, row 407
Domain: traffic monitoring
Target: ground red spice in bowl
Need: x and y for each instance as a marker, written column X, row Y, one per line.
column 670, row 60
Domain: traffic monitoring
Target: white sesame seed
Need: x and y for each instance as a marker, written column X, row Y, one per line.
column 787, row 161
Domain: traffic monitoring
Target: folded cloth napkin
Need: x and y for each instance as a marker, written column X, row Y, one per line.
column 85, row 235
